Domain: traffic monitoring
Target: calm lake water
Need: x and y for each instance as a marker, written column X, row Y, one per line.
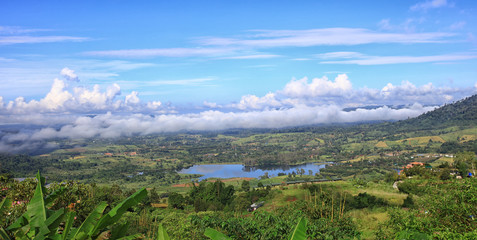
column 238, row 170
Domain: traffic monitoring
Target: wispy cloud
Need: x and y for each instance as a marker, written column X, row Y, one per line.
column 17, row 35
column 325, row 36
column 7, row 40
column 2, row 59
column 334, row 55
column 256, row 56
column 429, row 5
column 361, row 59
column 11, row 30
column 246, row 47
column 162, row 52
column 183, row 82
column 458, row 25
column 301, row 59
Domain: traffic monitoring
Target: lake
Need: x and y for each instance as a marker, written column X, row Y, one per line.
column 238, row 170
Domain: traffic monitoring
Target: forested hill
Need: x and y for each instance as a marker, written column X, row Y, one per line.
column 462, row 113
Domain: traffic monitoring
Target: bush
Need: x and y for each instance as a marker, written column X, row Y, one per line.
column 408, row 202
column 365, row 200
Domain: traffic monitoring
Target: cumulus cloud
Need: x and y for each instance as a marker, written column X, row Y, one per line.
column 154, row 105
column 322, row 91
column 253, row 102
column 96, row 99
column 69, row 74
column 210, row 105
column 132, row 98
column 64, row 99
column 318, row 87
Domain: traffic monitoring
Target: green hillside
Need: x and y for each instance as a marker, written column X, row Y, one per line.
column 462, row 113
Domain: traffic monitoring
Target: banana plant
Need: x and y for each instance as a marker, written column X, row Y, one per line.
column 39, row 222
column 299, row 232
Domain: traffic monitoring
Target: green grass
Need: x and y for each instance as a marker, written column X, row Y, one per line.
column 368, row 220
column 452, row 136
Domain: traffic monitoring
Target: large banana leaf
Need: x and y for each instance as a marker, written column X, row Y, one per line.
column 116, row 213
column 33, row 220
column 4, row 235
column 5, row 204
column 70, row 217
column 35, row 208
column 86, row 228
column 53, row 222
column 299, row 233
column 162, row 234
column 38, row 222
column 119, row 231
column 215, row 235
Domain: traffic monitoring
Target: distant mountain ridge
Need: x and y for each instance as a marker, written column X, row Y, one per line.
column 462, row 113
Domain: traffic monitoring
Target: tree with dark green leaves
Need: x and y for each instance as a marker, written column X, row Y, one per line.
column 245, row 186
column 176, row 200
column 211, row 196
column 465, row 161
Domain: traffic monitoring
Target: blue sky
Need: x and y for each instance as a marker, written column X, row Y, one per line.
column 174, row 58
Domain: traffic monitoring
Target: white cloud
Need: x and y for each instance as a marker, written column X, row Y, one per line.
column 325, row 36
column 190, row 82
column 57, row 96
column 318, row 87
column 458, row 25
column 207, row 104
column 334, row 55
column 69, row 74
column 256, row 56
column 385, row 24
column 10, row 30
column 62, row 99
column 252, row 102
column 408, row 25
column 154, row 105
column 2, row 59
column 132, row 98
column 95, row 99
column 361, row 59
column 301, row 59
column 162, row 52
column 7, row 40
column 429, row 4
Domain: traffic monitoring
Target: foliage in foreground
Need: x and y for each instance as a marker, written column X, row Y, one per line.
column 40, row 222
